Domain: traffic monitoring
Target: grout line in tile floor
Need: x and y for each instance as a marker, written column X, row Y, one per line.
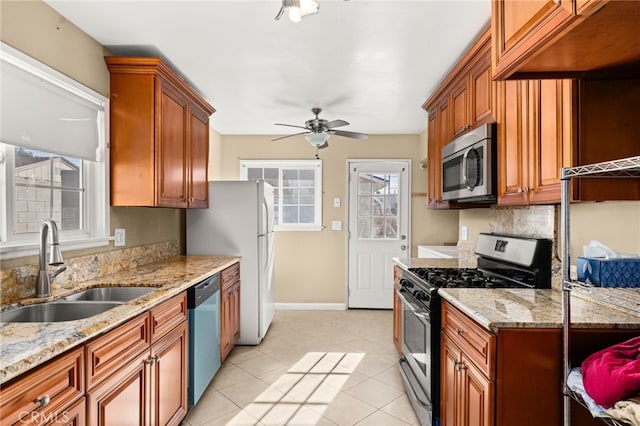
column 322, row 368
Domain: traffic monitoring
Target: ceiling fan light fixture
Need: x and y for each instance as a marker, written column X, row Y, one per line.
column 298, row 9
column 317, row 139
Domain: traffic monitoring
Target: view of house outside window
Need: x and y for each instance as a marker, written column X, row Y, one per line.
column 378, row 206
column 46, row 186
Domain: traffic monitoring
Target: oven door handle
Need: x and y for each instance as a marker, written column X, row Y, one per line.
column 412, row 303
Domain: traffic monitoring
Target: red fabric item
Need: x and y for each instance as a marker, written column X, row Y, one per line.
column 613, row 373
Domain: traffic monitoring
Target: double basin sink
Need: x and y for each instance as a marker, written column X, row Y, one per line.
column 76, row 306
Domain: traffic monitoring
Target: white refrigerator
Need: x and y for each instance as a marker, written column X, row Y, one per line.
column 239, row 221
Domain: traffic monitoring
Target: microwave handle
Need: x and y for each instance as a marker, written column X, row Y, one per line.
column 465, row 179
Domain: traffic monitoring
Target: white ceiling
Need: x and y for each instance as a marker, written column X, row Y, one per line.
column 372, row 63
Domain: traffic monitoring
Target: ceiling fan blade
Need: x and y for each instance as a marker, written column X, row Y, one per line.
column 291, row 125
column 347, row 134
column 288, row 136
column 336, row 123
column 324, row 145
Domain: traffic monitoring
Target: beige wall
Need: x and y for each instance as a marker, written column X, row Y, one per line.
column 39, row 31
column 310, row 266
column 615, row 224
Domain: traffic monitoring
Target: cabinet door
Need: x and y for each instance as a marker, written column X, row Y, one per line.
column 460, row 107
column 520, row 28
column 512, row 149
column 169, row 378
column 445, row 135
column 481, row 93
column 199, row 159
column 171, row 148
column 226, row 318
column 547, row 148
column 477, row 396
column 75, row 415
column 449, row 400
column 397, row 309
column 122, row 398
column 235, row 313
column 434, row 163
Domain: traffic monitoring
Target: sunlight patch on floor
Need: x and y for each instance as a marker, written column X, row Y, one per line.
column 303, row 393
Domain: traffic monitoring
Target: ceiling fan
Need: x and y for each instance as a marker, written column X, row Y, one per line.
column 318, row 130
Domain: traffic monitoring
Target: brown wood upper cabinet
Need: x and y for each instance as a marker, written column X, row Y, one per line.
column 534, row 139
column 563, row 38
column 463, row 100
column 159, row 136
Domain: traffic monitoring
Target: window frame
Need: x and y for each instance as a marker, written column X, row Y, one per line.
column 315, row 165
column 95, row 175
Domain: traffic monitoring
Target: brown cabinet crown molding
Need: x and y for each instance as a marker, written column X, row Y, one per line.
column 156, row 66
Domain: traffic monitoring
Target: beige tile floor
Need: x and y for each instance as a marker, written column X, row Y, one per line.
column 313, row 368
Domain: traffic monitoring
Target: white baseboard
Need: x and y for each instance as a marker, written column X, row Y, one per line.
column 310, row 306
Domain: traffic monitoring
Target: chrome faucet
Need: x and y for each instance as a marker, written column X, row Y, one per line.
column 43, row 285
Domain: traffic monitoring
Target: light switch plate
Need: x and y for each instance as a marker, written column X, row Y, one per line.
column 336, row 225
column 336, row 202
column 464, row 233
column 119, row 237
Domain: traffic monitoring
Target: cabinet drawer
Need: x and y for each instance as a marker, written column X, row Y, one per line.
column 61, row 380
column 475, row 341
column 106, row 354
column 230, row 275
column 168, row 315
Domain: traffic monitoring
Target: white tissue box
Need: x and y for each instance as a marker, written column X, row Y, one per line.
column 609, row 272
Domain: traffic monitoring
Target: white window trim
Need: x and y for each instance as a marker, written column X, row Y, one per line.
column 97, row 183
column 315, row 165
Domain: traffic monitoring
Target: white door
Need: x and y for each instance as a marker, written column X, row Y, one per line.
column 378, row 229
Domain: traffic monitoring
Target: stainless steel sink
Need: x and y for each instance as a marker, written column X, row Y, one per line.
column 110, row 294
column 56, row 311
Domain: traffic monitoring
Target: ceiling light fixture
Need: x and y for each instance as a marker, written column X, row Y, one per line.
column 317, row 139
column 298, row 9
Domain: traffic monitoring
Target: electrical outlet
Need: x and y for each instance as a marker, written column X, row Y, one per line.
column 119, row 237
column 336, row 225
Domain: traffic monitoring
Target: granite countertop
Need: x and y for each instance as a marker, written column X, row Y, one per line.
column 27, row 345
column 527, row 308
column 419, row 262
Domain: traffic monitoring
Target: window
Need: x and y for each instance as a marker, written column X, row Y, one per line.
column 378, row 206
column 52, row 157
column 298, row 191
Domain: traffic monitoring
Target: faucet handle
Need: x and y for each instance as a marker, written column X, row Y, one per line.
column 57, row 271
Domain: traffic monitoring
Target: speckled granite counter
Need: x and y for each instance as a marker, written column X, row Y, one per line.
column 26, row 345
column 526, row 308
column 416, row 262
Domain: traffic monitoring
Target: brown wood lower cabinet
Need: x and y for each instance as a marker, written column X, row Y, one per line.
column 44, row 395
column 513, row 376
column 397, row 309
column 148, row 384
column 135, row 374
column 229, row 309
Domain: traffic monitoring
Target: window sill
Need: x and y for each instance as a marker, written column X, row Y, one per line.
column 13, row 251
column 307, row 229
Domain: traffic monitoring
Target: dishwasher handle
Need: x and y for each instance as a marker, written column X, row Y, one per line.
column 200, row 292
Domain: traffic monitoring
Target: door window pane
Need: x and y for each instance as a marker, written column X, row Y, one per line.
column 378, row 203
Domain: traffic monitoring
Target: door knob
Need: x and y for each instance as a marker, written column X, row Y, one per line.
column 403, row 247
column 403, row 237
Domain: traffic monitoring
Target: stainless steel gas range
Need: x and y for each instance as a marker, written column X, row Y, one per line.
column 503, row 261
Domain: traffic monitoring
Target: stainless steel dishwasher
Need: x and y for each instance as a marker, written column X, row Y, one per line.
column 203, row 302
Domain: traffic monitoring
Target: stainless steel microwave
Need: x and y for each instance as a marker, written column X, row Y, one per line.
column 469, row 166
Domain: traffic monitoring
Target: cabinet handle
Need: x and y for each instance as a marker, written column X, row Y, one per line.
column 519, row 190
column 43, row 400
column 459, row 331
column 152, row 360
column 526, row 189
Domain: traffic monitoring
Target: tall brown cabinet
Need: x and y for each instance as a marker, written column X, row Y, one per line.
column 159, row 136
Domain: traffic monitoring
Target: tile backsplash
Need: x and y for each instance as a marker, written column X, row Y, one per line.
column 531, row 221
column 19, row 282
